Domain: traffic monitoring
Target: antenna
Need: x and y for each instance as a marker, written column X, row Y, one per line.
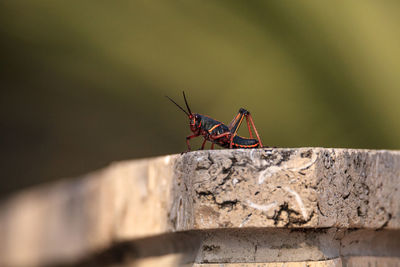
column 178, row 106
column 184, row 97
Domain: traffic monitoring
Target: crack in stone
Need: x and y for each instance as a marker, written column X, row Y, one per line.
column 319, row 209
column 290, row 220
column 210, row 197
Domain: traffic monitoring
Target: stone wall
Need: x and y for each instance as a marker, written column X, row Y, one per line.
column 261, row 207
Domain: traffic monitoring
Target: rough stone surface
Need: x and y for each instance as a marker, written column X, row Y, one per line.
column 232, row 207
column 287, row 188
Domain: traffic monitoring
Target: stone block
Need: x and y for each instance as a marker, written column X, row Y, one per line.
column 336, row 207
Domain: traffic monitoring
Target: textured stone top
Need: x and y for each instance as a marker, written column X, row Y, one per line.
column 305, row 187
column 259, row 188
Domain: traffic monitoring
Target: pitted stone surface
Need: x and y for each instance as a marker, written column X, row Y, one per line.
column 246, row 192
column 358, row 188
column 241, row 188
column 288, row 188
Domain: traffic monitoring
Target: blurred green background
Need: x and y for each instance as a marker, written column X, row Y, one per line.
column 83, row 83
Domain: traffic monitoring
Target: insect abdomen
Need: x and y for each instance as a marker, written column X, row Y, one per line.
column 241, row 142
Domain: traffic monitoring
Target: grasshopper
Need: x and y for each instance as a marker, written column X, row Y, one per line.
column 218, row 133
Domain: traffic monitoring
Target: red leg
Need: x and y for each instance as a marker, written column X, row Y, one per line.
column 188, row 138
column 248, row 127
column 231, row 140
column 234, row 121
column 255, row 130
column 204, row 142
column 214, row 137
column 237, row 121
column 235, row 125
column 219, row 135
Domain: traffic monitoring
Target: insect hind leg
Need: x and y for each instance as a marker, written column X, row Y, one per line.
column 235, row 124
column 237, row 121
column 249, row 118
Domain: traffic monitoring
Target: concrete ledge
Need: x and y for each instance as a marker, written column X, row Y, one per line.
column 229, row 206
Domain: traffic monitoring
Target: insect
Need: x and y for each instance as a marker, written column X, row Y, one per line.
column 218, row 133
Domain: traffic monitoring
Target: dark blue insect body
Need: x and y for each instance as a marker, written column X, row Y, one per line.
column 219, row 133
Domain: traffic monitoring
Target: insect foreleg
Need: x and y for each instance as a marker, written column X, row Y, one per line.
column 188, row 138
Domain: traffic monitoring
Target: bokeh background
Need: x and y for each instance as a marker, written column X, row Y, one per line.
column 83, row 82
